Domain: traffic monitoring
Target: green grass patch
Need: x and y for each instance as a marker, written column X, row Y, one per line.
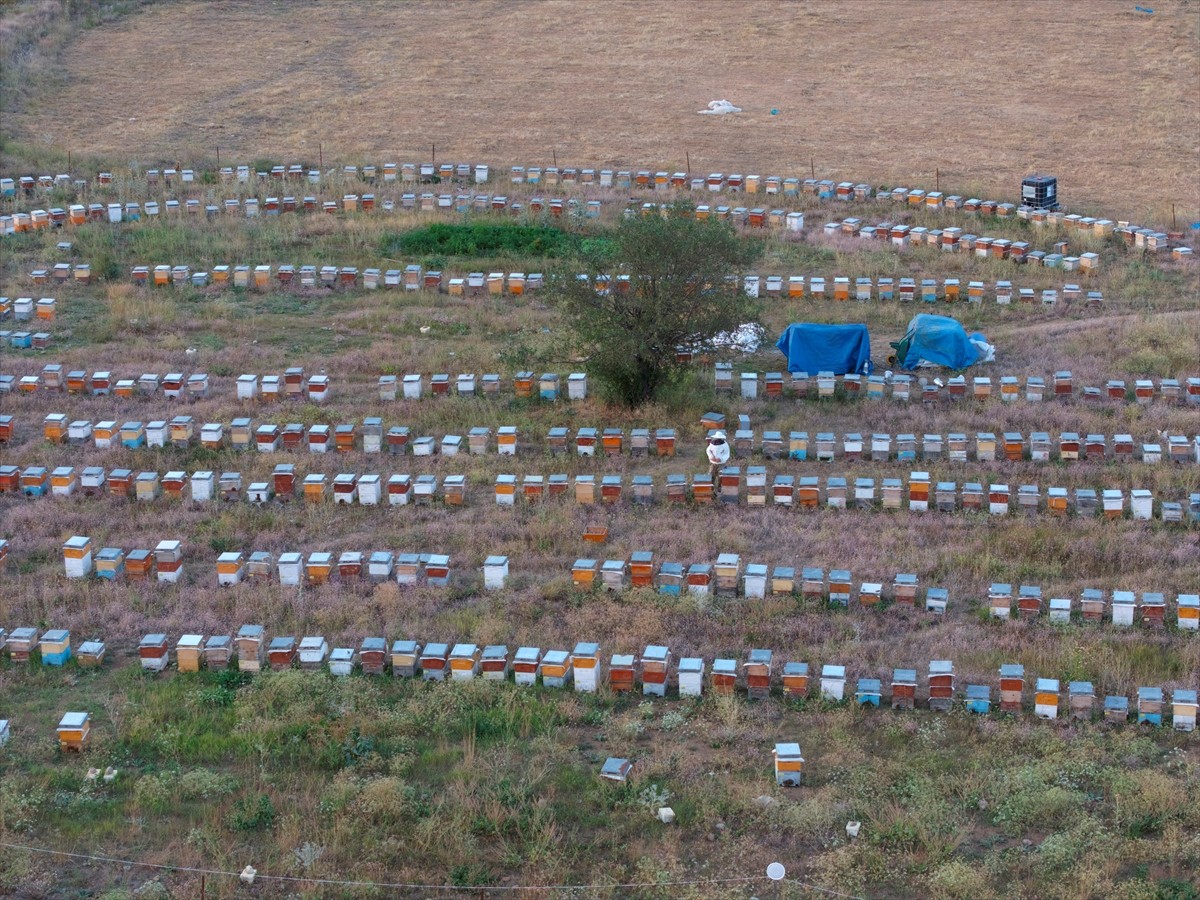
column 476, row 239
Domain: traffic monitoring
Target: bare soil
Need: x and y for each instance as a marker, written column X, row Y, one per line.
column 1096, row 93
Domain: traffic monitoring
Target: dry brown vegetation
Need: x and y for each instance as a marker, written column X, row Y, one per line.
column 1098, row 94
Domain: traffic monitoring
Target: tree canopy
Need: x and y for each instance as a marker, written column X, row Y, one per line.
column 655, row 284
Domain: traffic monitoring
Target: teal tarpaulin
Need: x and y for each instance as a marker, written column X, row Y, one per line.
column 938, row 340
column 816, row 348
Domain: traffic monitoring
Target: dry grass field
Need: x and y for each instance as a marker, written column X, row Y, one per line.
column 1094, row 92
column 483, row 789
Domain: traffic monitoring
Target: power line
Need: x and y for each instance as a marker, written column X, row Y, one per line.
column 336, row 882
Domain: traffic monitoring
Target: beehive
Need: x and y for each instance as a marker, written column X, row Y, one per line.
column 1012, row 686
column 373, row 655
column 405, row 655
column 833, row 682
column 556, row 668
column 74, row 731
column 55, row 647
column 1081, row 700
column 154, row 652
column 1149, row 705
column 1187, row 608
column 77, row 556
column 758, row 674
column 1183, row 709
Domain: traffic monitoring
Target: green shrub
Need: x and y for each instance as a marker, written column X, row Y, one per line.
column 481, row 239
column 252, row 814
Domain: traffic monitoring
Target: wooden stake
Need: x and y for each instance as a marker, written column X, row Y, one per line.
column 937, row 179
column 688, row 157
column 554, row 153
column 1174, row 224
column 68, row 160
column 433, row 150
column 812, row 166
column 320, row 156
column 218, row 157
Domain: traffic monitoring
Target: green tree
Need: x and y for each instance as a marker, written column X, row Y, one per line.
column 680, row 291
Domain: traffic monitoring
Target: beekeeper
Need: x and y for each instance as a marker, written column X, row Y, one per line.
column 718, row 453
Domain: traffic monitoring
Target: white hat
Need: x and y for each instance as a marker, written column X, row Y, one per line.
column 717, row 436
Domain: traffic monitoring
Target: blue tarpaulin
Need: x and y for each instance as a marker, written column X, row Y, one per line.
column 826, row 348
column 939, row 340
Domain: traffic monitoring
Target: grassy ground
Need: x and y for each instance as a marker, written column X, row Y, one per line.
column 388, row 780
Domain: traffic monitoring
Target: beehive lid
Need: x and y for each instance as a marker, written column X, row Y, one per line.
column 937, row 593
column 906, row 579
column 495, row 651
column 615, row 768
column 527, row 655
column 671, row 569
column 941, row 667
column 832, row 671
column 1000, row 590
column 1012, row 670
column 978, row 692
column 73, row 720
column 1123, row 598
column 282, row 644
column 77, row 542
column 787, row 751
column 437, row 650
column 697, row 568
column 289, row 559
column 759, row 657
column 341, row 654
column 464, row 651
column 1060, row 604
column 869, row 686
column 871, row 587
column 320, row 558
column 406, row 647
column 1113, row 702
column 724, row 667
column 1188, row 600
column 904, row 676
column 1182, row 695
column 1047, row 684
column 1080, row 688
column 1150, row 694
column 218, row 642
column 57, row 636
column 109, row 553
column 168, row 546
column 811, row 573
column 251, row 632
column 233, row 556
column 91, row 648
column 555, row 658
column 756, row 570
column 586, row 648
column 373, row 644
column 153, row 640
column 189, row 641
column 1030, row 590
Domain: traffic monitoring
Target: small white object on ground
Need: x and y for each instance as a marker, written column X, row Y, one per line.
column 720, row 108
